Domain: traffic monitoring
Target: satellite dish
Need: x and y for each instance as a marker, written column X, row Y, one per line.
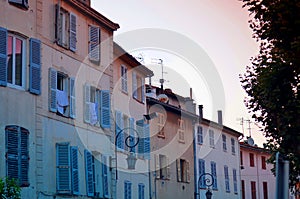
column 250, row 141
column 163, row 98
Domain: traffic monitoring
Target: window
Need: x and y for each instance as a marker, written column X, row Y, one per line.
column 232, row 146
column 241, row 156
column 263, row 162
column 265, row 190
column 162, row 166
column 89, row 173
column 214, row 174
column 227, row 185
column 253, row 190
column 224, row 143
column 66, row 29
column 138, row 87
column 243, row 190
column 105, row 172
column 61, row 93
column 124, row 86
column 160, row 124
column 97, row 106
column 17, row 154
column 21, row 3
column 201, row 167
column 235, row 187
column 144, row 143
column 127, row 190
column 211, row 138
column 251, row 156
column 67, row 175
column 94, row 43
column 141, row 191
column 181, row 130
column 183, row 170
column 199, row 135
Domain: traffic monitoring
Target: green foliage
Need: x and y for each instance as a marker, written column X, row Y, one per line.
column 9, row 189
column 272, row 82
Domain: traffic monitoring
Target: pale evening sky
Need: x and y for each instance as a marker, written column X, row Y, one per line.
column 220, row 29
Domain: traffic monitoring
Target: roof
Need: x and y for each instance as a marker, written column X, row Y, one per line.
column 255, row 148
column 93, row 14
column 121, row 53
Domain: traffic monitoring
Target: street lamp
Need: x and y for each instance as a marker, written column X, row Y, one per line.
column 208, row 182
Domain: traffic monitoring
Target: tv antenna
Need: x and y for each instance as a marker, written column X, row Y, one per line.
column 242, row 121
column 160, row 62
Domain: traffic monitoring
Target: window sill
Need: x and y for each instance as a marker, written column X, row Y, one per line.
column 161, row 136
column 181, row 141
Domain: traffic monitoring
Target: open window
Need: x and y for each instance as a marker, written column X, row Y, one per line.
column 19, row 3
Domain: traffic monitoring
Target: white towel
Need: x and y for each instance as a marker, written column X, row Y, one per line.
column 93, row 113
column 62, row 98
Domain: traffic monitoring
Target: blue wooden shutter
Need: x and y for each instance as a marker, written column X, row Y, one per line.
column 74, row 170
column 127, row 190
column 3, row 56
column 87, row 95
column 143, row 90
column 214, row 174
column 227, row 186
column 141, row 148
column 73, row 40
column 72, row 98
column 147, row 141
column 134, row 85
column 119, row 127
column 141, row 191
column 132, row 134
column 235, row 188
column 202, row 171
column 63, row 176
column 35, row 66
column 52, row 89
column 24, row 156
column 105, row 177
column 12, row 151
column 105, row 108
column 200, row 134
column 94, row 43
column 89, row 173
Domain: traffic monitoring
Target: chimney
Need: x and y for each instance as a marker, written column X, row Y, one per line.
column 200, row 107
column 191, row 93
column 220, row 119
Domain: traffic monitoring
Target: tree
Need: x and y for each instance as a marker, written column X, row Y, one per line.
column 272, row 81
column 9, row 189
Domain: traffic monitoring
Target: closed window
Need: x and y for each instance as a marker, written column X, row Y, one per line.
column 138, row 87
column 141, row 191
column 235, row 187
column 181, row 130
column 124, row 86
column 211, row 138
column 214, row 174
column 94, row 43
column 251, row 157
column 199, row 135
column 19, row 3
column 127, row 190
column 97, row 106
column 17, row 154
column 89, row 173
column 243, row 190
column 62, row 93
column 241, row 158
column 232, row 146
column 162, row 166
column 66, row 28
column 265, row 190
column 67, row 174
column 227, row 182
column 201, row 168
column 263, row 162
column 224, row 143
column 253, row 190
column 183, row 170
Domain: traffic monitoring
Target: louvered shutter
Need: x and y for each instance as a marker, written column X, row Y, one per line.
column 143, row 90
column 87, row 95
column 227, row 186
column 201, row 172
column 105, row 108
column 89, row 173
column 73, row 32
column 12, row 151
column 52, row 89
column 74, row 170
column 147, row 141
column 214, row 174
column 24, row 156
column 72, row 98
column 119, row 127
column 132, row 134
column 94, row 43
column 63, row 176
column 179, row 179
column 58, row 25
column 157, row 166
column 188, row 176
column 141, row 148
column 127, row 190
column 141, row 191
column 105, row 177
column 3, row 56
column 134, row 85
column 35, row 66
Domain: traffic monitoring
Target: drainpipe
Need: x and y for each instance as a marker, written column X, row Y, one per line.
column 196, row 193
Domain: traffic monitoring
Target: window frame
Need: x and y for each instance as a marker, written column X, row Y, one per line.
column 124, row 78
column 181, row 130
column 162, row 167
column 253, row 189
column 127, row 189
column 213, row 166
column 227, row 180
column 160, row 125
column 263, row 163
column 224, row 143
column 211, row 138
column 183, row 170
column 233, row 151
column 251, row 160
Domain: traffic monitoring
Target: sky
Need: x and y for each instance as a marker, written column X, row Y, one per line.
column 204, row 44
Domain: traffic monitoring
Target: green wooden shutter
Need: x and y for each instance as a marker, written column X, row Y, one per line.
column 52, row 89
column 74, row 170
column 72, row 98
column 73, row 32
column 3, row 56
column 89, row 174
column 35, row 66
column 63, row 175
column 105, row 108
